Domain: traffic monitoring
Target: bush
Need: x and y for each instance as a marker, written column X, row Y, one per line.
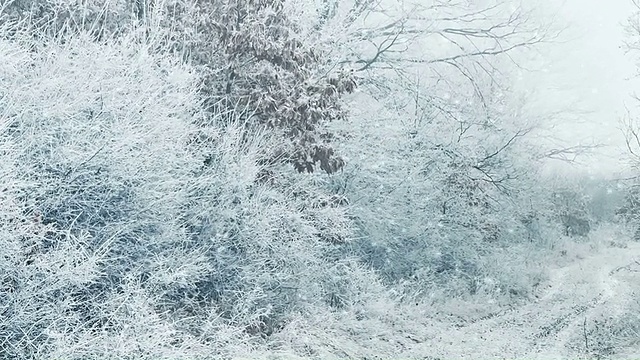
column 429, row 220
column 125, row 233
column 277, row 73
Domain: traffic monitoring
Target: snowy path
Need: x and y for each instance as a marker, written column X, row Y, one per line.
column 553, row 327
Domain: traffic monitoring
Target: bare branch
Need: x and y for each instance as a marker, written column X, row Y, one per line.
column 385, row 46
column 569, row 154
column 518, row 134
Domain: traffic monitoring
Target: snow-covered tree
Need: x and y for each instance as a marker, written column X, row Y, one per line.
column 442, row 173
column 261, row 62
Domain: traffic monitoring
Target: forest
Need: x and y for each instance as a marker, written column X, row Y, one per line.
column 302, row 179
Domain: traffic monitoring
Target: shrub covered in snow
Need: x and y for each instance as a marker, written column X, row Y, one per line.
column 124, row 233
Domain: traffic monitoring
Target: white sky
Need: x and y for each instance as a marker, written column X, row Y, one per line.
column 589, row 71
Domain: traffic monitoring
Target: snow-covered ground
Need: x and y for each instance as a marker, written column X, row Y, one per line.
column 561, row 323
column 587, row 308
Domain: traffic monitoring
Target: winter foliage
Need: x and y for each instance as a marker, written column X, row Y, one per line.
column 243, row 179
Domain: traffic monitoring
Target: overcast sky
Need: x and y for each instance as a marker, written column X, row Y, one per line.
column 589, row 71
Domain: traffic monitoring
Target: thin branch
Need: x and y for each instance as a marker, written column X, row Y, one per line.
column 519, row 133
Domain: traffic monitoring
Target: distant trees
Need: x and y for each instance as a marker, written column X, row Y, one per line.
column 442, row 172
column 630, row 210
